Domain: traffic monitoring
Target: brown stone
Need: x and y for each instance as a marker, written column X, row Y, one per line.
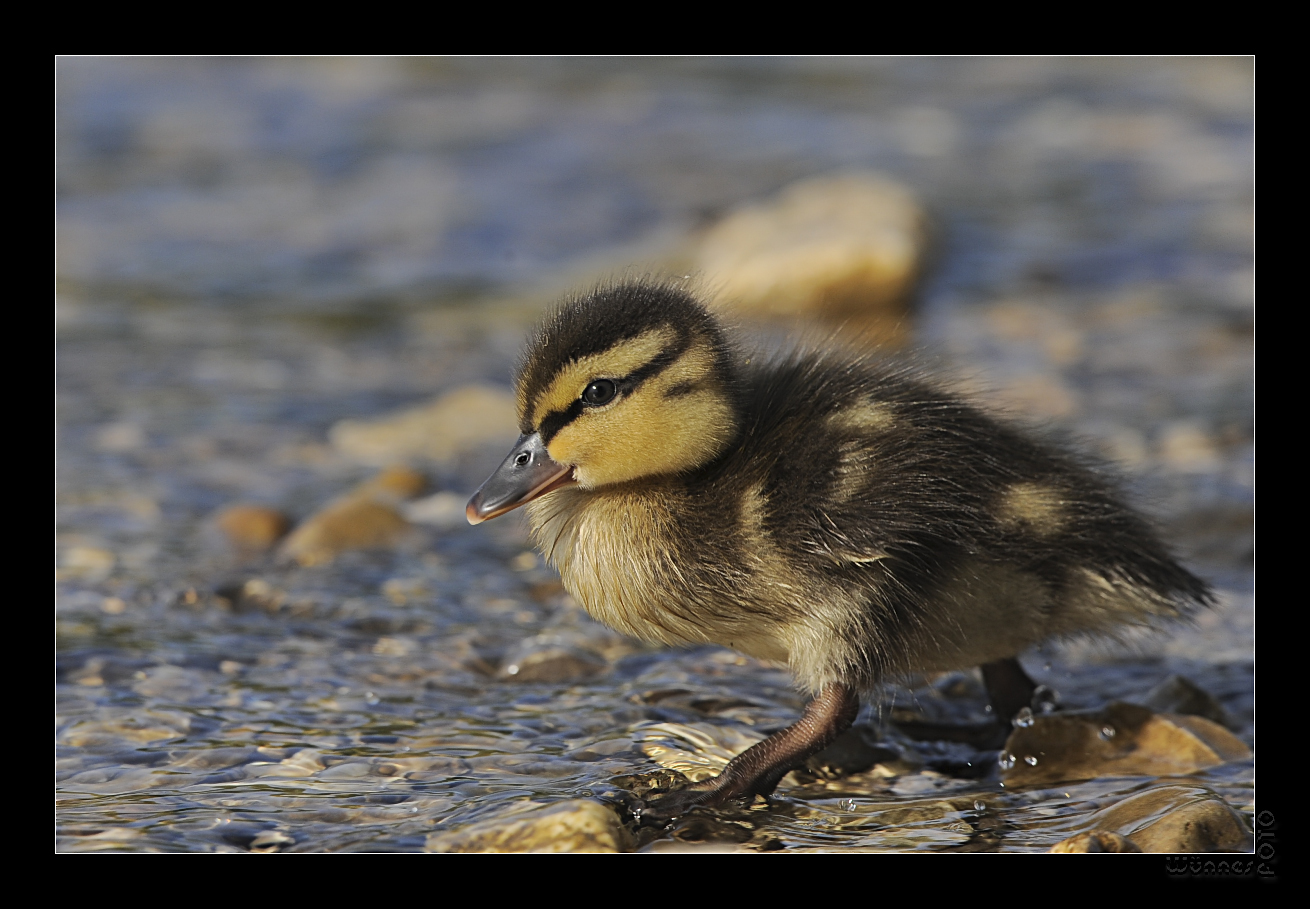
column 252, row 526
column 844, row 249
column 1119, row 740
column 1096, row 841
column 397, row 483
column 1176, row 819
column 367, row 517
column 572, row 826
column 1204, row 825
column 553, row 665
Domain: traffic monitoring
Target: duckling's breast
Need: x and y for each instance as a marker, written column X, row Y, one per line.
column 643, row 561
column 679, row 566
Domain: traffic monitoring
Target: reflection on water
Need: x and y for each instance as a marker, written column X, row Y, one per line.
column 250, row 251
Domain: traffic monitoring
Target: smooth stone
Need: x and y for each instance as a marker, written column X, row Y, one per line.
column 1176, row 819
column 175, row 684
column 844, row 249
column 252, row 526
column 578, row 825
column 137, row 726
column 368, row 517
column 1208, row 825
column 552, row 664
column 1177, row 694
column 1119, row 740
column 1096, row 841
column 459, row 422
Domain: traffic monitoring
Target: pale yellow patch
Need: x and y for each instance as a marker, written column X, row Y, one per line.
column 648, row 433
column 620, row 360
column 867, row 416
column 862, row 420
column 1039, row 508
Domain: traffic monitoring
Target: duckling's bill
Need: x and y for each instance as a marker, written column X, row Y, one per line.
column 526, row 473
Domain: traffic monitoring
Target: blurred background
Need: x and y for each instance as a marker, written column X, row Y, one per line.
column 278, row 277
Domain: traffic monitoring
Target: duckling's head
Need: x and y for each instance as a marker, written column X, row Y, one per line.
column 630, row 381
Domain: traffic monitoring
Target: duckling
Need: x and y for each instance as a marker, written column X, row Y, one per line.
column 851, row 520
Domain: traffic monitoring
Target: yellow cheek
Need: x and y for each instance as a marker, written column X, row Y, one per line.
column 566, row 447
column 646, row 435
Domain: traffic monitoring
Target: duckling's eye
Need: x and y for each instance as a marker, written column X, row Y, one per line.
column 599, row 392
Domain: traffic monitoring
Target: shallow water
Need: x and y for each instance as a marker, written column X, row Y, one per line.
column 253, row 250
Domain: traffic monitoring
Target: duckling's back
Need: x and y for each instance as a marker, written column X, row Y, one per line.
column 928, row 534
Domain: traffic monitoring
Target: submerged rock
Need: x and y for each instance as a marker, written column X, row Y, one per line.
column 1119, row 740
column 367, row 517
column 1205, row 824
column 1170, row 819
column 550, row 662
column 573, row 826
column 843, row 249
column 1096, row 841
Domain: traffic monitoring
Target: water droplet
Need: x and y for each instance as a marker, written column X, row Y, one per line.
column 585, row 793
column 1045, row 699
column 1030, row 761
column 370, row 697
column 512, row 669
column 1023, row 719
column 979, row 806
column 1107, row 732
column 1005, row 759
column 848, row 804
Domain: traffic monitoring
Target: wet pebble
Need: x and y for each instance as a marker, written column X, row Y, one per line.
column 550, row 661
column 578, row 825
column 1096, row 841
column 1206, row 824
column 368, row 517
column 252, row 527
column 1175, row 819
column 1119, row 740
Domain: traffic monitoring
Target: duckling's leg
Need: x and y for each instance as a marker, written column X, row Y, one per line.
column 1009, row 688
column 758, row 769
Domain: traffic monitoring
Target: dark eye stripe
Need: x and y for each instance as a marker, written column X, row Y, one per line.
column 556, row 420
